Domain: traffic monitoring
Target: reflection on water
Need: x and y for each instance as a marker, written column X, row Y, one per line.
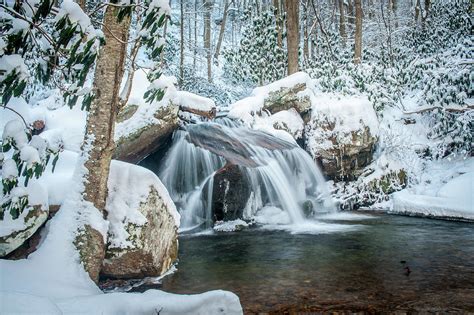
column 363, row 269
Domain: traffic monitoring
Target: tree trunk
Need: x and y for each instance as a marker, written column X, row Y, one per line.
column 292, row 26
column 426, row 11
column 221, row 31
column 342, row 21
column 181, row 45
column 100, row 126
column 207, row 36
column 417, row 11
column 358, row 33
column 279, row 27
column 305, row 33
column 195, row 35
column 350, row 13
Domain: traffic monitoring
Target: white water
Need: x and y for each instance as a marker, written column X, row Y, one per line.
column 284, row 179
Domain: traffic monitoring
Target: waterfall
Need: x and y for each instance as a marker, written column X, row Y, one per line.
column 282, row 177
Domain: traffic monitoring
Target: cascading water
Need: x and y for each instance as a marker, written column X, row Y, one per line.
column 282, row 177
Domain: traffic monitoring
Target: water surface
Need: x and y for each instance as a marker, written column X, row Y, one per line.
column 356, row 270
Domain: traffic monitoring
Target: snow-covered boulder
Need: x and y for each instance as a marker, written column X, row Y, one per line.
column 143, row 238
column 289, row 121
column 342, row 134
column 13, row 234
column 145, row 132
column 374, row 186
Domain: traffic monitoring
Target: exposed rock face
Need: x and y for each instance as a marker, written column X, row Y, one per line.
column 154, row 244
column 342, row 136
column 287, row 98
column 371, row 187
column 32, row 222
column 90, row 244
column 127, row 112
column 134, row 146
column 231, row 193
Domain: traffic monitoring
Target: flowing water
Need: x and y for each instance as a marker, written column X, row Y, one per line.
column 361, row 269
column 282, row 176
column 288, row 263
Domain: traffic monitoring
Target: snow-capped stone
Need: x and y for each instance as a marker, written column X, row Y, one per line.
column 342, row 134
column 143, row 238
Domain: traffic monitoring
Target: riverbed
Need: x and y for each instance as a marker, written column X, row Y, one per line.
column 379, row 264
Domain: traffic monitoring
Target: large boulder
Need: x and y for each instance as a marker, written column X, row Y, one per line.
column 342, row 134
column 287, row 98
column 143, row 232
column 373, row 187
column 22, row 229
column 231, row 192
column 139, row 135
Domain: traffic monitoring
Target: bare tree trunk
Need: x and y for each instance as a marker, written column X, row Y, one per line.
column 100, row 128
column 350, row 13
column 207, row 37
column 342, row 21
column 358, row 33
column 222, row 29
column 82, row 4
column 417, row 11
column 279, row 26
column 426, row 11
column 181, row 44
column 292, row 27
column 195, row 34
column 305, row 32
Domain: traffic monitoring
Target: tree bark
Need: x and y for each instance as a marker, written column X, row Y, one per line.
column 100, row 127
column 222, row 29
column 305, row 32
column 181, row 45
column 279, row 27
column 292, row 26
column 342, row 21
column 195, row 35
column 207, row 37
column 358, row 33
column 350, row 13
column 417, row 11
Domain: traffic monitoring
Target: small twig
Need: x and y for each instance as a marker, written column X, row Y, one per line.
column 24, row 121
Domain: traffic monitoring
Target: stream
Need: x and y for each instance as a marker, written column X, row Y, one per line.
column 361, row 269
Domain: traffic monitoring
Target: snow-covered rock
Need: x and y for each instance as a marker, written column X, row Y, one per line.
column 342, row 134
column 143, row 238
column 280, row 108
column 14, row 235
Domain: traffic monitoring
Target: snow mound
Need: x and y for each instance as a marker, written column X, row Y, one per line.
column 453, row 200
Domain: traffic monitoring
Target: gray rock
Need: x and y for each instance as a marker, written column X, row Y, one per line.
column 231, row 193
column 136, row 145
column 155, row 244
column 32, row 222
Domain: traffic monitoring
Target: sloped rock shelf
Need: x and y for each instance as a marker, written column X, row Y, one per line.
column 359, row 270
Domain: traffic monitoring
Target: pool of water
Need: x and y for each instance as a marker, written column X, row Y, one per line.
column 388, row 263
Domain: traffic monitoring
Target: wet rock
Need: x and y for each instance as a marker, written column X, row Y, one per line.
column 308, row 208
column 137, row 144
column 33, row 220
column 231, row 193
column 154, row 245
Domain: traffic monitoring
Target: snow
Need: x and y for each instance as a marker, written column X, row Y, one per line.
column 10, row 63
column 145, row 114
column 194, row 101
column 14, row 130
column 9, row 169
column 129, row 185
column 230, row 226
column 447, row 193
column 288, row 120
column 246, row 108
column 29, row 155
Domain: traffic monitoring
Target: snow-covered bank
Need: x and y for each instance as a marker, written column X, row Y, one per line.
column 448, row 193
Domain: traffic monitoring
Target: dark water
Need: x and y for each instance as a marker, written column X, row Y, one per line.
column 363, row 270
